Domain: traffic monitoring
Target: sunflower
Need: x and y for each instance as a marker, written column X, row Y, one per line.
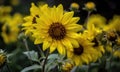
column 85, row 53
column 30, row 21
column 56, row 29
column 92, row 35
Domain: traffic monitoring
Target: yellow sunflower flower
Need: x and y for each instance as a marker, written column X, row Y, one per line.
column 35, row 13
column 91, row 34
column 56, row 29
column 10, row 29
column 98, row 21
column 85, row 53
column 2, row 58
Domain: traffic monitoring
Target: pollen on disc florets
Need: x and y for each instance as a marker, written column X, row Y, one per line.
column 57, row 31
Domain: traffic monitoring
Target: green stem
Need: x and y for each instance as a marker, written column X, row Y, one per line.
column 41, row 52
column 45, row 61
column 86, row 21
column 27, row 48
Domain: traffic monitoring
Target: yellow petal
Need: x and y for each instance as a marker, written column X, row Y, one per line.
column 67, row 44
column 73, row 27
column 38, row 41
column 61, row 48
column 46, row 44
column 74, row 42
column 59, row 11
column 72, row 35
column 74, row 20
column 53, row 47
column 67, row 17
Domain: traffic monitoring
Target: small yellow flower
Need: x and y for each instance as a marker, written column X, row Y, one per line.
column 2, row 58
column 74, row 6
column 90, row 5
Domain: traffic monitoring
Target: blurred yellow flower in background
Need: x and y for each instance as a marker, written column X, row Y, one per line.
column 57, row 30
column 97, row 20
column 10, row 29
column 114, row 24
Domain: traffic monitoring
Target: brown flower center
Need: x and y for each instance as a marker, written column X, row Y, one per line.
column 112, row 36
column 78, row 51
column 57, row 31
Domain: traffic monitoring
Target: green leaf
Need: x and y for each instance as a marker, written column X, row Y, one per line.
column 31, row 68
column 53, row 56
column 32, row 55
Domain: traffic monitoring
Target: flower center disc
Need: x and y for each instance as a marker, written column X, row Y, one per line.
column 78, row 51
column 57, row 31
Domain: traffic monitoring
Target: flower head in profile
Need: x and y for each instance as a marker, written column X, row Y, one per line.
column 74, row 6
column 57, row 30
column 84, row 54
column 30, row 21
column 3, row 58
column 90, row 6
